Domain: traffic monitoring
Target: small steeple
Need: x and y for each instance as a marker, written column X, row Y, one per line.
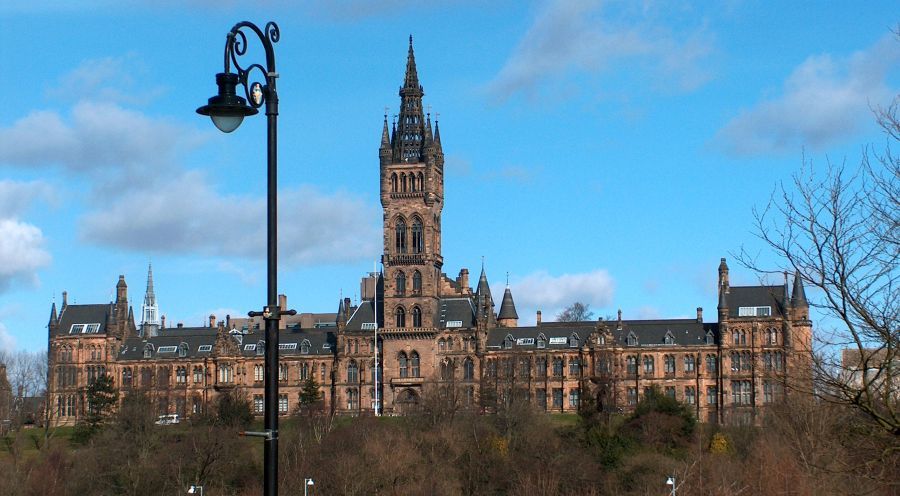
column 798, row 298
column 507, row 307
column 411, row 79
column 437, row 136
column 410, row 131
column 385, row 135
column 54, row 320
column 150, row 308
column 341, row 313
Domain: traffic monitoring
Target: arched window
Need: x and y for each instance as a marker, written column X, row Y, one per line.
column 304, row 347
column 414, row 364
column 400, row 317
column 400, row 236
column 400, row 281
column 649, row 365
column 126, row 377
column 736, row 337
column 508, row 342
column 446, row 370
column 148, row 350
column 421, row 181
column 541, row 341
column 557, row 367
column 352, row 372
column 181, row 375
column 746, row 361
column 468, row 369
column 735, row 361
column 573, row 340
column 260, row 348
column 403, row 182
column 394, row 182
column 540, row 367
column 352, row 398
column 417, row 282
column 711, row 364
column 669, row 364
column 442, row 345
column 417, row 235
column 449, row 344
column 689, row 363
column 283, row 372
column 182, row 350
column 404, row 364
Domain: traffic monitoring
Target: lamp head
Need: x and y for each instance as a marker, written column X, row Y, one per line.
column 227, row 110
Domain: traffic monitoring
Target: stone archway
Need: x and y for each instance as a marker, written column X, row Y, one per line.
column 408, row 401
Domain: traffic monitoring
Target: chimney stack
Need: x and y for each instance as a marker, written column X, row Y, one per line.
column 464, row 279
column 212, row 320
column 65, row 299
column 700, row 314
column 180, row 325
column 619, row 322
column 282, row 302
column 162, row 322
column 538, row 317
column 228, row 321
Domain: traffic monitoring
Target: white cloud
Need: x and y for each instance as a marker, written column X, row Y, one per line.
column 7, row 341
column 16, row 197
column 22, row 253
column 825, row 99
column 189, row 216
column 105, row 140
column 108, row 80
column 550, row 294
column 569, row 38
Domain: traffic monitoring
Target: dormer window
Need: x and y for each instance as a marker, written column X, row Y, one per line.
column 148, row 350
column 573, row 340
column 260, row 348
column 508, row 342
column 669, row 339
column 304, row 347
column 182, row 350
column 710, row 339
column 632, row 340
column 541, row 342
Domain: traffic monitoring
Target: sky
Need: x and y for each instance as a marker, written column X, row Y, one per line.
column 604, row 152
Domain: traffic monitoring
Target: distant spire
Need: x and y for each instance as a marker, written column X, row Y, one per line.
column 411, row 79
column 409, row 136
column 385, row 134
column 149, row 309
column 437, row 134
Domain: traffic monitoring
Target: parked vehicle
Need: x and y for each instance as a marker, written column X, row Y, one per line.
column 168, row 419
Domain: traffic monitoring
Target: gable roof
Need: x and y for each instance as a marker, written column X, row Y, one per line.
column 83, row 314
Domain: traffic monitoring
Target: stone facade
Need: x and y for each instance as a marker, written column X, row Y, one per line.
column 435, row 334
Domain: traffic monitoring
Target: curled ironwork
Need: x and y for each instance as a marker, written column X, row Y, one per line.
column 236, row 47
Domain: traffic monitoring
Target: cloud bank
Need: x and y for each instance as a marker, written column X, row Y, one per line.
column 550, row 294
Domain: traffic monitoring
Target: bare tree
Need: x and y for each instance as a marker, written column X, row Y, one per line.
column 840, row 232
column 576, row 312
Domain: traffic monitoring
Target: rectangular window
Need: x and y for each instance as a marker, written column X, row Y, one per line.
column 558, row 340
column 287, row 346
column 690, row 395
column 76, row 329
column 258, row 373
column 282, row 404
column 670, row 392
column 541, row 398
column 204, row 347
column 632, row 396
column 712, row 395
column 768, row 396
column 368, row 326
column 754, row 311
column 574, row 367
column 167, row 349
column 258, row 404
column 557, row 397
column 573, row 398
column 689, row 363
column 92, row 328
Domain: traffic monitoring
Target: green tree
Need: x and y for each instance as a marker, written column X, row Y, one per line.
column 101, row 399
column 310, row 396
column 234, row 409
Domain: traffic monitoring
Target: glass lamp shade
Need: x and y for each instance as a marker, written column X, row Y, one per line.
column 227, row 110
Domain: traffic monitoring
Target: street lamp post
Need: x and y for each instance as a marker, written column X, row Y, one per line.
column 227, row 110
column 307, row 483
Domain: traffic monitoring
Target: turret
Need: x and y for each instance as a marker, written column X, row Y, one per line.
column 341, row 316
column 723, row 275
column 507, row 316
column 484, row 301
column 798, row 299
column 54, row 320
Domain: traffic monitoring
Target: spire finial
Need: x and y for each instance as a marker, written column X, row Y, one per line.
column 507, row 279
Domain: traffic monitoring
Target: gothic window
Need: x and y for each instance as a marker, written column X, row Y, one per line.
column 710, row 339
column 767, row 361
column 126, row 377
column 417, row 235
column 690, row 395
column 400, row 236
column 403, row 182
column 198, row 374
column 735, row 361
column 449, row 344
column 417, row 282
column 146, row 377
column 771, row 336
column 442, row 345
column 711, row 364
column 574, row 367
column 649, row 365
column 417, row 316
column 632, row 339
column 259, row 373
column 304, row 347
column 421, row 182
column 540, row 367
column 414, row 362
column 689, row 363
column 182, row 350
column 524, row 368
column 631, row 365
column 778, row 360
column 400, row 317
column 164, row 374
column 404, row 364
column 669, row 364
column 508, row 342
column 401, row 283
column 226, row 373
column 746, row 360
column 181, row 375
column 352, row 372
column 541, row 341
column 394, row 182
column 573, row 340
column 446, row 370
column 557, row 367
column 282, row 371
column 352, row 398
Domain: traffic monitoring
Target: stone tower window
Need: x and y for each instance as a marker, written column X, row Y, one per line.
column 417, row 316
column 400, row 236
column 417, row 282
column 401, row 283
column 394, row 182
column 417, row 236
column 404, row 364
column 400, row 317
column 414, row 363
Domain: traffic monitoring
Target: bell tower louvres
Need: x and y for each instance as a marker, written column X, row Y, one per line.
column 412, row 197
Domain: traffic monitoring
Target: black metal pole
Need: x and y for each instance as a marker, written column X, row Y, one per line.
column 270, row 449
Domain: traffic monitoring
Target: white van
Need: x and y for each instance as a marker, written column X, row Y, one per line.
column 168, row 419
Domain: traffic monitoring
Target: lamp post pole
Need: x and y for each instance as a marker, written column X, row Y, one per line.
column 227, row 110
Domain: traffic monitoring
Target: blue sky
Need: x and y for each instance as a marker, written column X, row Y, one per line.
column 608, row 152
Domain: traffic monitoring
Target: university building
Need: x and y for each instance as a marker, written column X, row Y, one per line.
column 436, row 334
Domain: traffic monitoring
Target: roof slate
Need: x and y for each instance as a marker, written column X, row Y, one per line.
column 82, row 314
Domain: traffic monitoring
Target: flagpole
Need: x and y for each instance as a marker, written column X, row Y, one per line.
column 375, row 304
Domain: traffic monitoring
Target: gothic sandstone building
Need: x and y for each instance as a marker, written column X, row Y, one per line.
column 436, row 333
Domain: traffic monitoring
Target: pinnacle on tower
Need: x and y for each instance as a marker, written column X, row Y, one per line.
column 408, row 137
column 54, row 320
column 507, row 306
column 798, row 298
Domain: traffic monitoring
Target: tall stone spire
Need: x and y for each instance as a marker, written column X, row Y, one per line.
column 149, row 309
column 410, row 132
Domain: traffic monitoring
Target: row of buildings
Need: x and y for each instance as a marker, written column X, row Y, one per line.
column 435, row 331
